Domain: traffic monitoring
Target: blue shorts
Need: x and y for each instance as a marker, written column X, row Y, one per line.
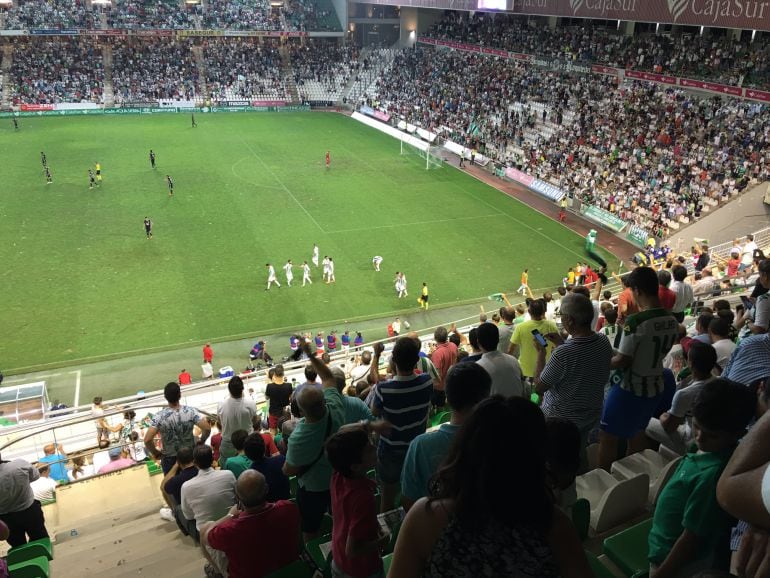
column 626, row 414
column 389, row 465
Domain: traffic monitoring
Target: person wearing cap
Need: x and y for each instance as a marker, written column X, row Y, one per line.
column 118, row 461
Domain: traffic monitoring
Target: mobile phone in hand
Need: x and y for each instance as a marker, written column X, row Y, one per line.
column 540, row 338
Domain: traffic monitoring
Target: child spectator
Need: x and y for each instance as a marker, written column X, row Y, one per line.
column 240, row 463
column 356, row 539
column 270, row 467
column 689, row 524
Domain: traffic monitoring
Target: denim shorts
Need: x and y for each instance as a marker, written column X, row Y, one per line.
column 389, row 465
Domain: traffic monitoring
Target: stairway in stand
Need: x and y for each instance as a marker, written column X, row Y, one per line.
column 288, row 75
column 200, row 61
column 109, row 93
column 5, row 69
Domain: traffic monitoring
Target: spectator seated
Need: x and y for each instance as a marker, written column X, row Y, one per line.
column 244, row 70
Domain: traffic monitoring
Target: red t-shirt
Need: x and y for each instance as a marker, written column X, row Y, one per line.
column 259, row 544
column 667, row 297
column 355, row 514
column 185, row 378
column 208, row 353
column 270, row 448
column 216, row 441
column 443, row 357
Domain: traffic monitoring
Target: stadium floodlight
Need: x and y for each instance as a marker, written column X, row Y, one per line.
column 6, row 3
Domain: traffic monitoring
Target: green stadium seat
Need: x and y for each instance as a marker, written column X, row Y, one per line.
column 599, row 569
column 386, row 562
column 297, row 569
column 32, row 568
column 581, row 517
column 628, row 549
column 441, row 417
column 321, row 562
column 30, row 550
column 326, row 524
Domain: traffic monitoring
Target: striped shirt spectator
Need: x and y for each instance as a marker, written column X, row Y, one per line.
column 748, row 363
column 404, row 401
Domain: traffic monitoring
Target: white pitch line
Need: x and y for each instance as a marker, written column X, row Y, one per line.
column 31, row 378
column 77, row 387
column 283, row 186
column 498, row 214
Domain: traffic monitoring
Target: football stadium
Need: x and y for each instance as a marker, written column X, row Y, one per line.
column 365, row 289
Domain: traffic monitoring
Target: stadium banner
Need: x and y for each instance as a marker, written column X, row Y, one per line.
column 603, row 218
column 638, row 236
column 244, row 33
column 165, row 103
column 109, row 32
column 391, row 131
column 36, row 107
column 607, row 70
column 659, row 78
column 741, row 14
column 711, row 86
column 53, row 32
column 76, row 106
column 165, row 33
column 547, row 190
column 378, row 114
column 519, row 177
column 754, row 94
column 14, row 32
column 559, row 65
column 267, row 103
column 36, row 110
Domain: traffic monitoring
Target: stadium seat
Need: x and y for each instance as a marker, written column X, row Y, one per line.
column 386, row 562
column 612, row 501
column 322, row 563
column 659, row 467
column 32, row 568
column 30, row 550
column 297, row 569
column 628, row 549
column 599, row 569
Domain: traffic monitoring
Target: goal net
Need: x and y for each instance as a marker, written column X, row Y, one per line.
column 428, row 155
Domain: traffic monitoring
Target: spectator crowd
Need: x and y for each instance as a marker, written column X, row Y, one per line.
column 238, row 70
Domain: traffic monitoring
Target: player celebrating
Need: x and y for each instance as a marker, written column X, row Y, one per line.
column 170, row 183
column 98, row 174
column 376, row 260
column 330, row 265
column 423, row 300
column 289, row 273
column 306, row 273
column 91, row 179
column 148, row 227
column 328, row 160
column 152, row 159
column 271, row 278
column 315, row 255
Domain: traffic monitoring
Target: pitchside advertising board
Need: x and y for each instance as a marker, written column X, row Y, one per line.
column 49, row 110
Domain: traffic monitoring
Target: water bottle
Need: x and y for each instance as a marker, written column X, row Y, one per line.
column 73, row 532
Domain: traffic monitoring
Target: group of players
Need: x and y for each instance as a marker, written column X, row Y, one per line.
column 288, row 269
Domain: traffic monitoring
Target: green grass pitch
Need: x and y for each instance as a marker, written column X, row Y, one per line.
column 80, row 280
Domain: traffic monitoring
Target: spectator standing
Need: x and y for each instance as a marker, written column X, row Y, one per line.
column 310, row 380
column 355, row 408
column 637, row 382
column 235, row 413
column 503, row 369
column 19, row 509
column 250, row 550
column 404, row 401
column 356, row 536
column 324, row 413
column 666, row 296
column 747, row 254
column 521, row 341
column 57, row 460
column 361, row 370
column 44, row 487
column 278, row 393
column 688, row 522
column 573, row 380
column 443, row 357
column 467, row 384
column 208, row 354
column 683, row 291
column 270, row 467
column 175, row 425
column 485, row 503
column 507, row 315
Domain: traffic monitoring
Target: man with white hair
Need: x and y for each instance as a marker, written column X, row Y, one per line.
column 572, row 382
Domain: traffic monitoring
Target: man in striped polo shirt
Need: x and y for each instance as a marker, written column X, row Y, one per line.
column 404, row 401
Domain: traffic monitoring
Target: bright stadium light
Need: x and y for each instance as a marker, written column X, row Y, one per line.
column 6, row 3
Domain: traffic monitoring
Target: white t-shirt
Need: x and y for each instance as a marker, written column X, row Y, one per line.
column 724, row 349
column 43, row 488
column 747, row 253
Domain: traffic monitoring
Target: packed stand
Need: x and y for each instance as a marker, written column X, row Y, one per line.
column 244, row 69
column 322, row 68
column 311, row 16
column 56, row 14
column 163, row 14
column 54, row 71
column 241, row 15
column 716, row 58
column 650, row 155
column 153, row 70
